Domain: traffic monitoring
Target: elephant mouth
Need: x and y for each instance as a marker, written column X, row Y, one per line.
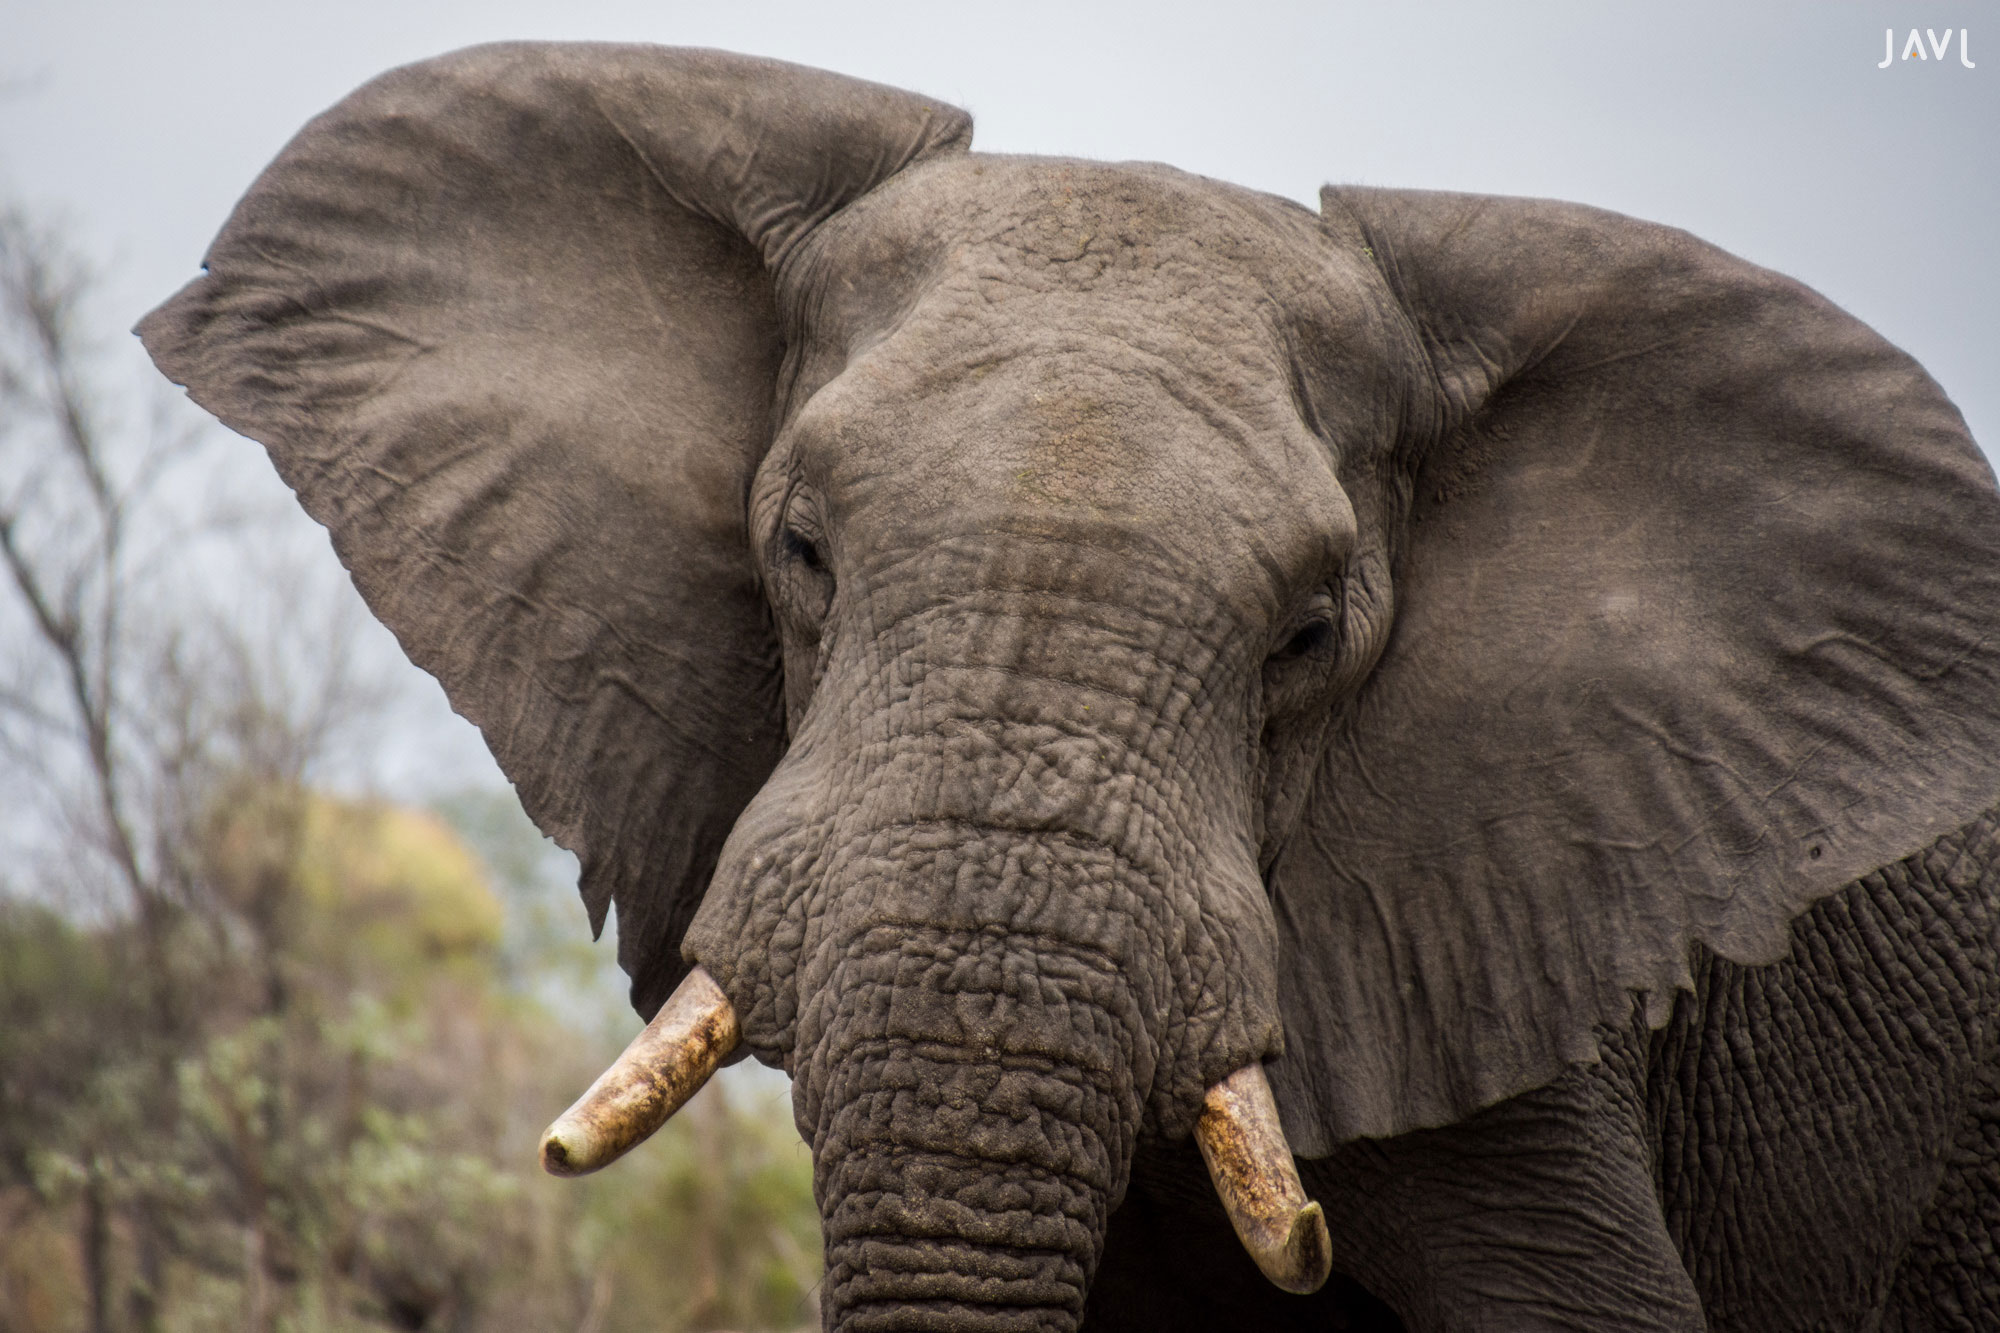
column 1238, row 1132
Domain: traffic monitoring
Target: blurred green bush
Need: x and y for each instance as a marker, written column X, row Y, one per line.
column 339, row 1131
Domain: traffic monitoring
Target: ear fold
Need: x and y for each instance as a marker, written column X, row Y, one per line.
column 506, row 322
column 1698, row 620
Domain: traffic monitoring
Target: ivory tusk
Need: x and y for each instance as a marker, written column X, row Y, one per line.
column 664, row 1066
column 1253, row 1171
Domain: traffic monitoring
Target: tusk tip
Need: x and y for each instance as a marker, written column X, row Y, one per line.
column 1304, row 1261
column 564, row 1155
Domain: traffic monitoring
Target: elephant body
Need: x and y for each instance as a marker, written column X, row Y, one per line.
column 1497, row 696
column 1809, row 1145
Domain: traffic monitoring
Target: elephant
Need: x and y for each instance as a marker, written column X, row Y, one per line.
column 1454, row 737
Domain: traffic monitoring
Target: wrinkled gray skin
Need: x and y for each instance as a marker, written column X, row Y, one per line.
column 1045, row 634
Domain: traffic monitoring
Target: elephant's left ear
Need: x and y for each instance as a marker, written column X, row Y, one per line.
column 1697, row 621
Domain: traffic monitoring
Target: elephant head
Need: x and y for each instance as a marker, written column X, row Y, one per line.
column 1054, row 640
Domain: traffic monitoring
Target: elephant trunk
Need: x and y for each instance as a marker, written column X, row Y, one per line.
column 973, row 1107
column 962, row 1198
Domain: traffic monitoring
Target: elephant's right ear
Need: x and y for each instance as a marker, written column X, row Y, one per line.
column 506, row 321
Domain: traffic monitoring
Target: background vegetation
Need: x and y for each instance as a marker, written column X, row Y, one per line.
column 274, row 1049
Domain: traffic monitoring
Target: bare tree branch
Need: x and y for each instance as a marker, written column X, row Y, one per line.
column 77, row 611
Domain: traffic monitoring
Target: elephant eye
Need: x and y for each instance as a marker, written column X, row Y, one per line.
column 804, row 583
column 805, row 550
column 1312, row 638
column 1316, row 634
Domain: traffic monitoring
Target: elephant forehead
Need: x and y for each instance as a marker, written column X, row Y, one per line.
column 978, row 260
column 1087, row 446
column 1078, row 341
column 1072, row 224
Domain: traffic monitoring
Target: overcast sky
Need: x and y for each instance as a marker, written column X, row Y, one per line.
column 1767, row 128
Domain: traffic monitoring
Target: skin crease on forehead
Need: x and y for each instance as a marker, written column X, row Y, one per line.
column 1080, row 344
